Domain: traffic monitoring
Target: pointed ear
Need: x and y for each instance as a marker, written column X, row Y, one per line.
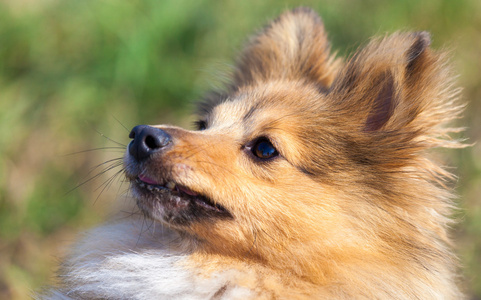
column 292, row 47
column 396, row 84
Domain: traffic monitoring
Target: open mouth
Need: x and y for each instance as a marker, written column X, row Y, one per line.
column 173, row 203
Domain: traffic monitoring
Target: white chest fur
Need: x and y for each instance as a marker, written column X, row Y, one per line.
column 120, row 262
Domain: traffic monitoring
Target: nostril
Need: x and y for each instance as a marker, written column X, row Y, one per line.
column 151, row 142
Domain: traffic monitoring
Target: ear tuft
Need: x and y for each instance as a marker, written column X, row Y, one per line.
column 292, row 47
column 397, row 84
column 421, row 42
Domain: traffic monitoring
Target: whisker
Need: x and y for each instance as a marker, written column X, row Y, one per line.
column 194, row 151
column 120, row 180
column 106, row 184
column 95, row 149
column 117, row 160
column 108, row 168
column 129, row 214
column 128, row 130
column 109, row 139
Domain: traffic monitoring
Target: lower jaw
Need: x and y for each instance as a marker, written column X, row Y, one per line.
column 173, row 206
column 164, row 206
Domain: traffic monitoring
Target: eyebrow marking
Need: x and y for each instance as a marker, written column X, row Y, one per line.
column 251, row 112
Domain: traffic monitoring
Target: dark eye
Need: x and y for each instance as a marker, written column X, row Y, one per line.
column 201, row 125
column 264, row 149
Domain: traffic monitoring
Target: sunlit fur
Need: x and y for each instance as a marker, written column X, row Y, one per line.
column 354, row 206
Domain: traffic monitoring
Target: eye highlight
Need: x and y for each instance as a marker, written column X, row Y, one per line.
column 264, row 149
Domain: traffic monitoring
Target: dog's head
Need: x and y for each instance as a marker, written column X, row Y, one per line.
column 301, row 154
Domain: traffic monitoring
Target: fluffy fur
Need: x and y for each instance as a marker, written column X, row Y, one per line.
column 352, row 205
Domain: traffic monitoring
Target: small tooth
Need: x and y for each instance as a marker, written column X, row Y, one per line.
column 170, row 185
column 156, row 189
column 150, row 188
column 142, row 184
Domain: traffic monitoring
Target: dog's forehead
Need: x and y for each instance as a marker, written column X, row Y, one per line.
column 280, row 102
column 250, row 114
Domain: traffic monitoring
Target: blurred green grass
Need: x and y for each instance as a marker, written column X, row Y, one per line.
column 72, row 71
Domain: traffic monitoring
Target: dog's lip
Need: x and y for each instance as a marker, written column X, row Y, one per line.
column 148, row 180
column 151, row 185
column 187, row 190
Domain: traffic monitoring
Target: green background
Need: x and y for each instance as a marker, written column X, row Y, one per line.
column 74, row 72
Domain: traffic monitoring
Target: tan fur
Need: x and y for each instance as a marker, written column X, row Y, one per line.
column 353, row 206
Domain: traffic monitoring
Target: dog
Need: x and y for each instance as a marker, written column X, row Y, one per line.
column 308, row 177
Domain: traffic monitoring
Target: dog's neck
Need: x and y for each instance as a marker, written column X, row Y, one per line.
column 130, row 260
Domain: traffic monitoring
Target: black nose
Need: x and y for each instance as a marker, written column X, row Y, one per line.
column 146, row 141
